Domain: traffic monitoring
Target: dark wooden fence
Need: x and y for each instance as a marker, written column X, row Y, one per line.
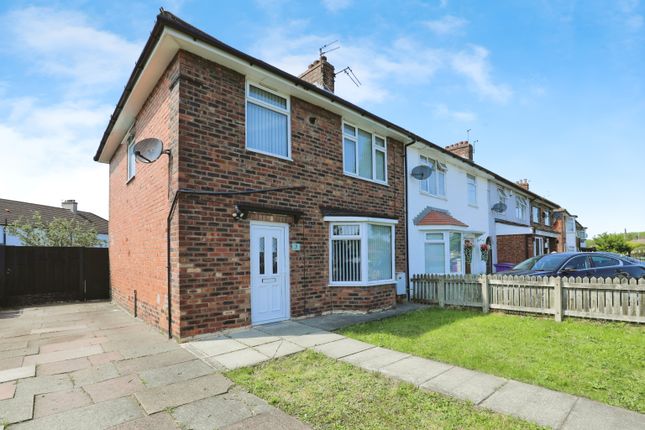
column 31, row 274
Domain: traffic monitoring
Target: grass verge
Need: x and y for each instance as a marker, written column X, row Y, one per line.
column 328, row 394
column 599, row 360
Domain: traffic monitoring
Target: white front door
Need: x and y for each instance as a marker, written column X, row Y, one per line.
column 269, row 272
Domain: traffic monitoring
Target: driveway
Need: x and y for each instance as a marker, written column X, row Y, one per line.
column 80, row 366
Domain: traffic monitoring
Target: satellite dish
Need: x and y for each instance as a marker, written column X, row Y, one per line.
column 499, row 207
column 148, row 150
column 421, row 172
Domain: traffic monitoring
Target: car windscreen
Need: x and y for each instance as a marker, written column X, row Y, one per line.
column 550, row 262
column 527, row 264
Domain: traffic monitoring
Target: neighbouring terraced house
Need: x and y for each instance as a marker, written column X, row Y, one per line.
column 278, row 199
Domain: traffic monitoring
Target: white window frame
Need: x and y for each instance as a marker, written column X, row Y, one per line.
column 521, row 207
column 547, row 217
column 287, row 112
column 503, row 196
column 533, row 212
column 364, row 240
column 471, row 180
column 571, row 222
column 131, row 159
column 445, row 241
column 437, row 168
column 375, row 149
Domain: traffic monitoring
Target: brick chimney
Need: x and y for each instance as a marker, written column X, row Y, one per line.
column 70, row 205
column 464, row 149
column 321, row 74
column 524, row 183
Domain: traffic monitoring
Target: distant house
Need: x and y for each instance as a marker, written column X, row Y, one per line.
column 13, row 210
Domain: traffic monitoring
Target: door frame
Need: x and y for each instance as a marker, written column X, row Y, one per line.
column 287, row 268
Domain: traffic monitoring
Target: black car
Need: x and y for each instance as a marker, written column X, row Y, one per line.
column 597, row 264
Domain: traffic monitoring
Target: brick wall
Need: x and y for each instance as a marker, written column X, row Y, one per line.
column 514, row 248
column 214, row 271
column 138, row 209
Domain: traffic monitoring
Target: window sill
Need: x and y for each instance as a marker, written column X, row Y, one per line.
column 130, row 179
column 351, row 175
column 363, row 284
column 281, row 157
column 473, row 206
column 436, row 196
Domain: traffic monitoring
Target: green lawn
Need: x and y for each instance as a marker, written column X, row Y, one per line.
column 599, row 360
column 328, row 394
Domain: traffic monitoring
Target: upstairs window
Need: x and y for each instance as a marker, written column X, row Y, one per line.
column 472, row 190
column 535, row 215
column 132, row 159
column 267, row 122
column 571, row 225
column 521, row 207
column 503, row 195
column 435, row 184
column 547, row 217
column 364, row 154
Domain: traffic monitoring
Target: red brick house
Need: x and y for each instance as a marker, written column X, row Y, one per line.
column 289, row 200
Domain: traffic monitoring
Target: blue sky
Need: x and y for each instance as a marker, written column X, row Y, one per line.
column 553, row 91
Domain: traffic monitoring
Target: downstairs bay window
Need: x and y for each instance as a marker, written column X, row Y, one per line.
column 361, row 251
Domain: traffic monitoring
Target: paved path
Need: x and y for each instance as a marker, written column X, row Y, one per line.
column 540, row 405
column 92, row 366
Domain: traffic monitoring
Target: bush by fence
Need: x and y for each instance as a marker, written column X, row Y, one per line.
column 607, row 299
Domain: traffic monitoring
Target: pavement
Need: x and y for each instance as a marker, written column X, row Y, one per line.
column 81, row 366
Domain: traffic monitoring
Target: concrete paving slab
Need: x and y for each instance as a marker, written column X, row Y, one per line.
column 134, row 348
column 106, row 357
column 280, row 348
column 590, row 415
column 19, row 408
column 58, row 329
column 74, row 344
column 20, row 352
column 7, row 345
column 537, row 404
column 275, row 419
column 170, row 396
column 7, row 390
column 340, row 320
column 65, row 366
column 99, row 416
column 415, row 370
column 17, row 373
column 465, row 384
column 312, row 339
column 374, row 358
column 342, row 348
column 242, row 358
column 219, row 411
column 211, row 347
column 159, row 421
column 43, row 384
column 53, row 403
column 253, row 337
column 11, row 362
column 68, row 354
column 136, row 365
column 287, row 328
column 94, row 374
column 175, row 373
column 114, row 388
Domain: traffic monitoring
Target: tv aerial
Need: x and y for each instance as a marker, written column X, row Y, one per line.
column 333, row 46
column 329, row 47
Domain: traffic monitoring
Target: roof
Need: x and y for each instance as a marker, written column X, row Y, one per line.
column 166, row 19
column 434, row 216
column 12, row 210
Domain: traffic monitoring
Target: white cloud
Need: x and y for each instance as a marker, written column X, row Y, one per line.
column 336, row 5
column 634, row 22
column 474, row 65
column 443, row 112
column 63, row 44
column 446, row 25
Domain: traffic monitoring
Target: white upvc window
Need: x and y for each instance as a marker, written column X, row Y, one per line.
column 268, row 125
column 472, row 190
column 364, row 154
column 361, row 253
column 571, row 225
column 521, row 207
column 547, row 217
column 535, row 214
column 435, row 184
column 503, row 196
column 132, row 160
column 444, row 252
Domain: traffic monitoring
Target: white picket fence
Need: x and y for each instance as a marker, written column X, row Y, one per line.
column 598, row 298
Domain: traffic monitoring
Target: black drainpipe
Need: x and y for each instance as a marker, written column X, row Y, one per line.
column 173, row 205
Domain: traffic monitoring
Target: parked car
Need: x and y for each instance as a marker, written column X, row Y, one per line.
column 598, row 264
